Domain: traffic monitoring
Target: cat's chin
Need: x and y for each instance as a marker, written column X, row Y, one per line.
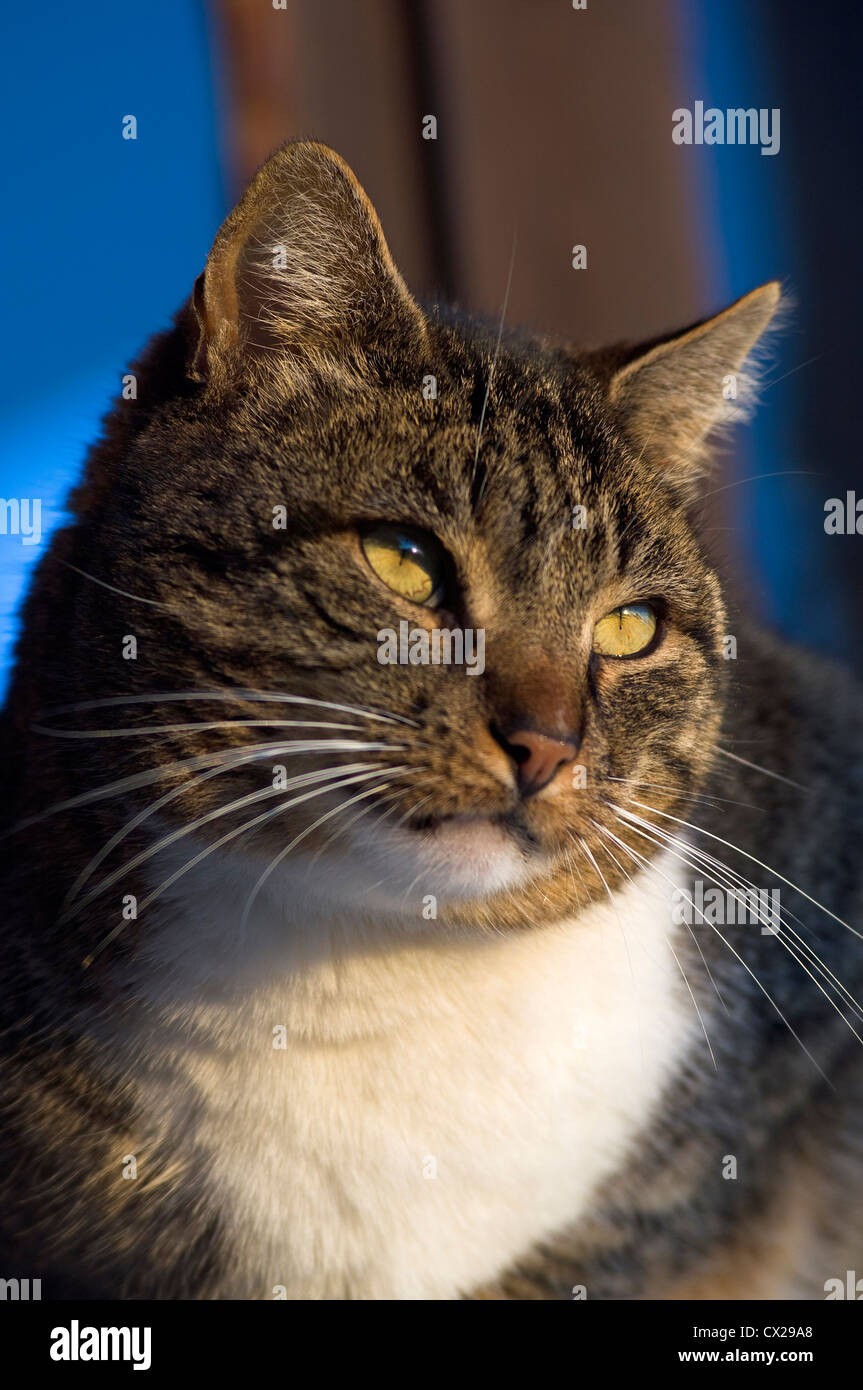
column 453, row 858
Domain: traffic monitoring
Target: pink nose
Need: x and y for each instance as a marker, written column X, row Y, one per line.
column 537, row 757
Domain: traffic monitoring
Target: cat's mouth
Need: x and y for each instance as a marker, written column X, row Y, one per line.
column 463, row 854
column 457, row 854
column 504, row 827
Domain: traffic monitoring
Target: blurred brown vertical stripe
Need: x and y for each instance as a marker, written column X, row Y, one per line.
column 551, row 120
column 559, row 122
column 341, row 72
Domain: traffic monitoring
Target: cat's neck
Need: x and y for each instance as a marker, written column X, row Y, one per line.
column 354, row 1066
column 324, row 955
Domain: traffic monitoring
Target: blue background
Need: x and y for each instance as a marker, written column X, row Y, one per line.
column 104, row 237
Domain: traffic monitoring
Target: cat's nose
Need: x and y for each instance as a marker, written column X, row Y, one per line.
column 538, row 758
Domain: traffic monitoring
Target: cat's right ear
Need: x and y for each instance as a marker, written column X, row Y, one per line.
column 671, row 395
column 301, row 269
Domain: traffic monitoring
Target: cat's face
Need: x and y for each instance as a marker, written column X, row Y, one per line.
column 318, row 492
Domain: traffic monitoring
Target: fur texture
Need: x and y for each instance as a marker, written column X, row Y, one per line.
column 463, row 974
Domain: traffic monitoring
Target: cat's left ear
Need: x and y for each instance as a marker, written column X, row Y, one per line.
column 670, row 396
column 301, row 268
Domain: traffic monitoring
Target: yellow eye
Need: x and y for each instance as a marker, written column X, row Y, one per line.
column 625, row 631
column 409, row 562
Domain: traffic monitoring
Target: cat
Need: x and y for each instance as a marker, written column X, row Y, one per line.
column 398, row 991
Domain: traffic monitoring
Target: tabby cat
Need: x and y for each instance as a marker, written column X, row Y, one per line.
column 414, row 986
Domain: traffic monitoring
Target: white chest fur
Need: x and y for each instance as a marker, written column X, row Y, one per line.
column 404, row 1119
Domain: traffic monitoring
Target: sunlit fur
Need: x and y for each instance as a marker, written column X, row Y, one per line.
column 305, row 392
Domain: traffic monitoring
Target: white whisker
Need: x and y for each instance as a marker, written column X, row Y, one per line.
column 233, row 759
column 736, row 954
column 690, row 796
column 602, row 830
column 274, row 863
column 199, row 760
column 494, row 358
column 726, row 876
column 719, row 868
column 700, row 831
column 142, row 730
column 217, row 844
column 124, row 593
column 756, row 767
column 238, row 693
column 303, row 779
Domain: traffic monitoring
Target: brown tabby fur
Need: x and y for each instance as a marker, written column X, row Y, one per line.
column 302, row 386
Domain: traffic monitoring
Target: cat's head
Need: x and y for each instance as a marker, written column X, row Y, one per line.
column 340, row 477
